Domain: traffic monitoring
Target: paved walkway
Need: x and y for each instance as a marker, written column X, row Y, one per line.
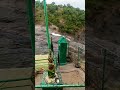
column 70, row 75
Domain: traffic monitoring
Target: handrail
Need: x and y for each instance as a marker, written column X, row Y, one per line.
column 59, row 86
column 46, row 23
column 31, row 24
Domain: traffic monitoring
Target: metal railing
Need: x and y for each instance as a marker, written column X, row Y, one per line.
column 107, row 58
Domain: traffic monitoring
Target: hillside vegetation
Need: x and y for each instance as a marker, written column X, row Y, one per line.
column 67, row 18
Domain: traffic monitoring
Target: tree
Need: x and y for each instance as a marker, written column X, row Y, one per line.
column 67, row 18
column 53, row 3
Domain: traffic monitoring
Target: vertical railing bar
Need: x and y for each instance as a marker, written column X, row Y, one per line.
column 79, row 54
column 46, row 23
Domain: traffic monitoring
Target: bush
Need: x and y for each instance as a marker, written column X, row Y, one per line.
column 67, row 18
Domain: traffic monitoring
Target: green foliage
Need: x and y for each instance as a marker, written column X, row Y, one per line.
column 67, row 18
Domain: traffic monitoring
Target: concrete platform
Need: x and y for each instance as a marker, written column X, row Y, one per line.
column 16, row 79
column 70, row 75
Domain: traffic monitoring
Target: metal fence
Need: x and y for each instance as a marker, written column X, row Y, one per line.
column 101, row 66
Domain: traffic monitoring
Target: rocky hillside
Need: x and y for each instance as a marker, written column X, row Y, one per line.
column 72, row 54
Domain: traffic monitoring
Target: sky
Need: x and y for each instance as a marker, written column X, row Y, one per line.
column 75, row 3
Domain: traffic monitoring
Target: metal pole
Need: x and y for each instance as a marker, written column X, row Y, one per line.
column 46, row 23
column 31, row 24
column 31, row 28
column 59, row 86
column 78, row 54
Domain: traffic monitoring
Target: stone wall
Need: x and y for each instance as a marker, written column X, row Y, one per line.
column 15, row 43
column 103, row 28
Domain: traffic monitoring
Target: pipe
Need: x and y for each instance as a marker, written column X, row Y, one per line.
column 80, row 50
column 78, row 54
column 31, row 24
column 59, row 86
column 46, row 23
